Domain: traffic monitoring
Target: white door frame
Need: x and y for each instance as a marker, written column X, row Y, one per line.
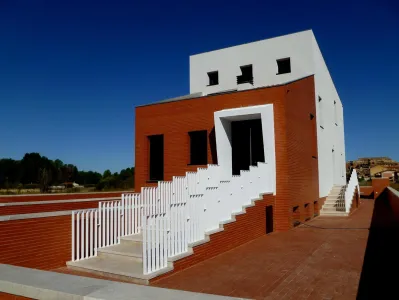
column 223, row 119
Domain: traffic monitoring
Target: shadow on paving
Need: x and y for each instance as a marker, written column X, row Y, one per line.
column 379, row 277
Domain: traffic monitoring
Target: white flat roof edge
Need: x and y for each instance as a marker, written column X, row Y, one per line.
column 39, row 284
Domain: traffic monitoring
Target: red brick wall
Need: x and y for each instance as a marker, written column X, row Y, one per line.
column 4, row 296
column 295, row 138
column 297, row 173
column 50, row 197
column 379, row 184
column 247, row 227
column 366, row 191
column 355, row 202
column 42, row 243
column 36, row 208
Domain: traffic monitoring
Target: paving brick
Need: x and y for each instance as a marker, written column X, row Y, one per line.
column 302, row 263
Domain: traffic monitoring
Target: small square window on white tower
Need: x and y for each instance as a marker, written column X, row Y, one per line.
column 213, row 78
column 284, row 66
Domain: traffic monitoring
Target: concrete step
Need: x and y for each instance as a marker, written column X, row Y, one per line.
column 333, row 213
column 134, row 238
column 329, row 201
column 117, row 268
column 333, row 208
column 132, row 251
column 332, row 205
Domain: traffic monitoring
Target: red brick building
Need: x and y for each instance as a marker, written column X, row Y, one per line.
column 295, row 142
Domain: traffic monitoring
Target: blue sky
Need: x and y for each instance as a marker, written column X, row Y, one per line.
column 71, row 72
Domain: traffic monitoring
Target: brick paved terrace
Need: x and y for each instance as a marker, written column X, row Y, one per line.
column 348, row 261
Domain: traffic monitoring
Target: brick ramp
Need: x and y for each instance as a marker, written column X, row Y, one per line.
column 301, row 263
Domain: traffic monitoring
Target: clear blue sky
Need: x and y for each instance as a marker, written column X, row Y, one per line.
column 71, row 72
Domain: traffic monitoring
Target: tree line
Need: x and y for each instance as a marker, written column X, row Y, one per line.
column 36, row 171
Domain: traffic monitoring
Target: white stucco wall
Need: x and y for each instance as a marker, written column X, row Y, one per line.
column 306, row 59
column 262, row 55
column 331, row 136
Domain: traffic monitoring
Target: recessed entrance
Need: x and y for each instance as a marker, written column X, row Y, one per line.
column 247, row 144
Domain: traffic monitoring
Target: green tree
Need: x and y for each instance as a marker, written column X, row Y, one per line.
column 107, row 173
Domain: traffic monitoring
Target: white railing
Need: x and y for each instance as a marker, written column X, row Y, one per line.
column 183, row 210
column 352, row 186
column 170, row 216
column 103, row 226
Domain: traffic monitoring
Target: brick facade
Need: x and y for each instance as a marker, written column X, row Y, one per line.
column 295, row 140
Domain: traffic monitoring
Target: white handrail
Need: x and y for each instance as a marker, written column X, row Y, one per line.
column 352, row 186
column 181, row 211
column 170, row 216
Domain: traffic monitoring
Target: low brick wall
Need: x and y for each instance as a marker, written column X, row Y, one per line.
column 393, row 198
column 5, row 296
column 366, row 192
column 37, row 208
column 355, row 202
column 247, row 227
column 40, row 243
column 379, row 185
column 50, row 197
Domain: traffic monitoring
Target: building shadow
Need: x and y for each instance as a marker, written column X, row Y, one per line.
column 380, row 275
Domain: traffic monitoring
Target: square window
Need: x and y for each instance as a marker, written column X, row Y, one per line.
column 246, row 75
column 198, row 147
column 284, row 65
column 213, row 78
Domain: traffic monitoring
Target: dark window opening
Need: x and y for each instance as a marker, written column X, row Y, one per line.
column 311, row 116
column 156, row 146
column 198, row 147
column 319, row 98
column 246, row 75
column 213, row 78
column 284, row 66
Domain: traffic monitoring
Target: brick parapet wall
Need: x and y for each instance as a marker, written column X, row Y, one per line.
column 51, row 207
column 40, row 243
column 52, row 197
column 379, row 185
column 5, row 296
column 392, row 196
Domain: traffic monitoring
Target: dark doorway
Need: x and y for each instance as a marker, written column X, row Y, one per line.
column 269, row 219
column 156, row 157
column 247, row 144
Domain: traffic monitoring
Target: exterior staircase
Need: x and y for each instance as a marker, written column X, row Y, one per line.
column 139, row 237
column 122, row 261
column 335, row 202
